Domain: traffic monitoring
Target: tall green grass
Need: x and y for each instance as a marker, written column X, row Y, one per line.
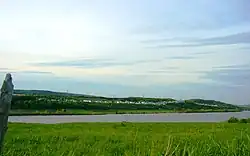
column 128, row 139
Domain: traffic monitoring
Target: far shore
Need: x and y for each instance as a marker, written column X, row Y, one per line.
column 106, row 112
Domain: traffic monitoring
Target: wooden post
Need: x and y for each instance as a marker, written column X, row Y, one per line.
column 5, row 104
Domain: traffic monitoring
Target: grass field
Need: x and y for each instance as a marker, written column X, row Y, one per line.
column 131, row 139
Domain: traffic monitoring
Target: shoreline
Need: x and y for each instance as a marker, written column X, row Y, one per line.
column 44, row 113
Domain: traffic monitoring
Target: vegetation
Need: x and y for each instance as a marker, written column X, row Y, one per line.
column 246, row 107
column 34, row 102
column 139, row 139
column 233, row 120
column 25, row 112
column 236, row 120
column 72, row 102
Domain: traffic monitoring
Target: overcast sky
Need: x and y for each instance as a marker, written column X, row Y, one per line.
column 160, row 48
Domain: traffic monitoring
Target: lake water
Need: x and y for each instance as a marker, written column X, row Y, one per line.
column 166, row 117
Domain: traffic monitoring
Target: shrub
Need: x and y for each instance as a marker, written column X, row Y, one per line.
column 248, row 120
column 233, row 120
column 123, row 123
column 243, row 120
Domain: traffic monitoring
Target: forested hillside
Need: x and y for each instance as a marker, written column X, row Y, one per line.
column 40, row 100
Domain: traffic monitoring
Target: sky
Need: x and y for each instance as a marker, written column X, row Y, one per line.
column 160, row 48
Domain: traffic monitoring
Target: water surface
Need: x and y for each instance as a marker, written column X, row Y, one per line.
column 166, row 117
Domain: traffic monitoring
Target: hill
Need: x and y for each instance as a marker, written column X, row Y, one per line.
column 212, row 103
column 43, row 92
column 246, row 107
column 42, row 99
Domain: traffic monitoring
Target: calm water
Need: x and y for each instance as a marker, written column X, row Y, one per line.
column 168, row 117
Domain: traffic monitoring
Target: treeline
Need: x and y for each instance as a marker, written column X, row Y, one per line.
column 53, row 94
column 213, row 102
column 209, row 101
column 41, row 102
column 236, row 120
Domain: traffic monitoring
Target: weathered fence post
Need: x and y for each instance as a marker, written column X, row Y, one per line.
column 5, row 104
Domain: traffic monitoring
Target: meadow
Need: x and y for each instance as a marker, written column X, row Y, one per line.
column 131, row 139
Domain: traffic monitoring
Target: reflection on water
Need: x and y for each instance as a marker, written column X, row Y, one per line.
column 167, row 117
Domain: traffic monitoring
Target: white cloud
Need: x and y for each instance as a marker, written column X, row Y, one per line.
column 45, row 31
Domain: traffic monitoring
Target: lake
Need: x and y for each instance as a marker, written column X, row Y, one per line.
column 166, row 117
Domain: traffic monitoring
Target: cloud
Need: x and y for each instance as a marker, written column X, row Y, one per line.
column 4, row 69
column 181, row 57
column 203, row 53
column 74, row 85
column 164, row 70
column 234, row 75
column 229, row 92
column 33, row 72
column 230, row 67
column 231, row 84
column 245, row 47
column 87, row 63
column 27, row 72
column 20, row 74
column 164, row 40
column 94, row 63
column 236, row 95
column 103, row 63
column 239, row 38
column 193, row 16
column 161, row 71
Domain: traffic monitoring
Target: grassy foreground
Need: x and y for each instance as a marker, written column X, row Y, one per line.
column 131, row 139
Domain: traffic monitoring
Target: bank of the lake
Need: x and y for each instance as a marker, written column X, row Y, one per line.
column 217, row 139
column 26, row 112
column 58, row 104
